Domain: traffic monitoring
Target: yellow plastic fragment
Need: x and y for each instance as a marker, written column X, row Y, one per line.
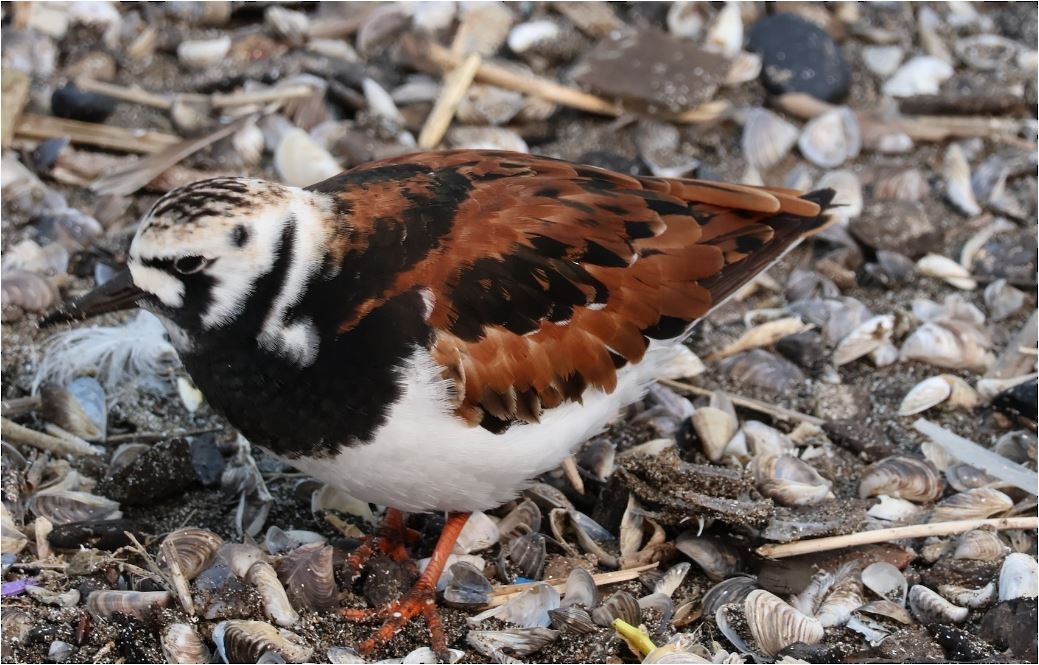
column 635, row 637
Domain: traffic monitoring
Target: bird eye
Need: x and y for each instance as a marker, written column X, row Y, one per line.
column 186, row 265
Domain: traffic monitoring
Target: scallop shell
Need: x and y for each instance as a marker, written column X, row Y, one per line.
column 194, row 550
column 142, row 605
column 767, row 139
column 864, row 339
column 1002, row 300
column 714, row 557
column 514, row 643
column 902, row 477
column 789, row 481
column 202, row 53
column 181, row 644
column 240, row 641
column 968, row 597
column 1019, row 577
column 944, row 268
column 980, row 545
column 830, row 139
column 928, row 607
column 621, row 605
column 885, row 580
column 948, row 343
column 64, row 507
column 978, row 503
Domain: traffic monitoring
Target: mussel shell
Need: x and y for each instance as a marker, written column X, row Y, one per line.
column 527, row 553
column 572, row 619
column 968, row 597
column 469, row 588
column 660, row 604
column 516, row 643
column 715, row 558
column 141, row 605
column 672, row 579
column 308, row 577
column 194, row 549
column 181, row 644
column 903, row 477
column 928, row 607
column 885, row 580
column 241, row 641
column 733, row 590
column 621, row 605
column 980, row 545
column 64, row 507
column 978, row 503
column 580, row 589
column 523, row 519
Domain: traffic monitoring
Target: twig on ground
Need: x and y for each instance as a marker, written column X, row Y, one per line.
column 782, row 413
column 17, row 434
column 19, row 406
column 813, row 545
column 40, row 127
column 456, row 84
column 155, row 437
column 503, row 594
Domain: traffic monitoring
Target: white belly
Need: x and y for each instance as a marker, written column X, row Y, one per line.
column 426, row 459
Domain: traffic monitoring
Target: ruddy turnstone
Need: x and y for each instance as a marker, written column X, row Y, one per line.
column 431, row 332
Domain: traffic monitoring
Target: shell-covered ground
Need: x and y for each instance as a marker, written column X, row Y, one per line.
column 882, row 375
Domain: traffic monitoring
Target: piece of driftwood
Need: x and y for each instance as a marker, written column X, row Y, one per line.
column 456, row 84
column 139, row 141
column 15, row 95
column 778, row 412
column 18, row 434
column 504, row 594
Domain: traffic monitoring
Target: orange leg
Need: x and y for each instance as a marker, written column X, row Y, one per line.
column 420, row 600
column 391, row 541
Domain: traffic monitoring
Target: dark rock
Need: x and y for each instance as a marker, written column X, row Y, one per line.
column 1020, row 400
column 45, row 154
column 963, row 572
column 107, row 535
column 75, row 104
column 163, row 471
column 898, row 226
column 1010, row 256
column 806, row 349
column 959, row 644
column 860, row 438
column 206, row 459
column 652, row 68
column 385, row 581
column 762, row 369
column 810, row 653
column 614, row 162
column 798, row 56
column 910, row 645
column 1011, row 625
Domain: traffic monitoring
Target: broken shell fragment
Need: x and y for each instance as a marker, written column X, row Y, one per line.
column 928, row 607
column 715, row 428
column 978, row 503
column 66, row 506
column 141, row 605
column 469, row 588
column 672, row 579
column 621, row 605
column 202, row 53
column 944, row 268
column 922, row 75
column 241, row 641
column 1019, row 577
column 514, row 643
column 885, row 580
column 1002, row 300
column 903, row 477
column 968, row 597
column 78, row 409
column 864, row 339
column 948, row 343
column 181, row 644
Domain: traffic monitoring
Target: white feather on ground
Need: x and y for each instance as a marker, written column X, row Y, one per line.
column 137, row 351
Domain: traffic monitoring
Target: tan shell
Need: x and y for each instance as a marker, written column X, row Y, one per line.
column 944, row 268
column 789, row 481
column 958, row 189
column 715, row 427
column 181, row 644
column 776, row 625
column 765, row 334
column 977, row 503
column 908, row 185
column 949, row 343
column 240, row 641
column 903, row 477
column 767, row 139
column 138, row 604
column 980, row 545
column 928, row 607
column 968, row 597
column 194, row 549
column 935, row 390
column 66, row 506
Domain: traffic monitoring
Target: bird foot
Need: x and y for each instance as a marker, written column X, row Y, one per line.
column 391, row 540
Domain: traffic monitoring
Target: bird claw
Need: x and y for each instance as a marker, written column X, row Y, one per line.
column 420, row 600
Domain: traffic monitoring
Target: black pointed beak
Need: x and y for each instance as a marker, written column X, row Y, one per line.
column 116, row 294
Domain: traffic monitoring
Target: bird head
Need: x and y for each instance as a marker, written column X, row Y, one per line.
column 200, row 252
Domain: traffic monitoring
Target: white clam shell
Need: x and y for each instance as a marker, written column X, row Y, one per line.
column 525, row 36
column 716, row 429
column 767, row 138
column 882, row 60
column 948, row 343
column 944, row 268
column 967, row 597
column 201, row 53
column 891, row 509
column 978, row 503
column 725, row 35
column 864, row 339
column 1019, row 577
column 848, row 192
column 830, row 139
column 479, row 533
column 300, row 161
column 958, row 187
column 885, row 580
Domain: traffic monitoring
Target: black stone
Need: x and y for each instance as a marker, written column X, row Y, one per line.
column 810, row 653
column 798, row 56
column 107, row 535
column 860, row 438
column 75, row 104
column 1020, row 400
column 960, row 645
column 162, row 471
column 206, row 459
column 1011, row 625
column 806, row 349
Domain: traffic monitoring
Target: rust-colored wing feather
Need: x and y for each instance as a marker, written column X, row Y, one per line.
column 545, row 277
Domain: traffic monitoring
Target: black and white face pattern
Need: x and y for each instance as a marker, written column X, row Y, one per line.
column 232, row 252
